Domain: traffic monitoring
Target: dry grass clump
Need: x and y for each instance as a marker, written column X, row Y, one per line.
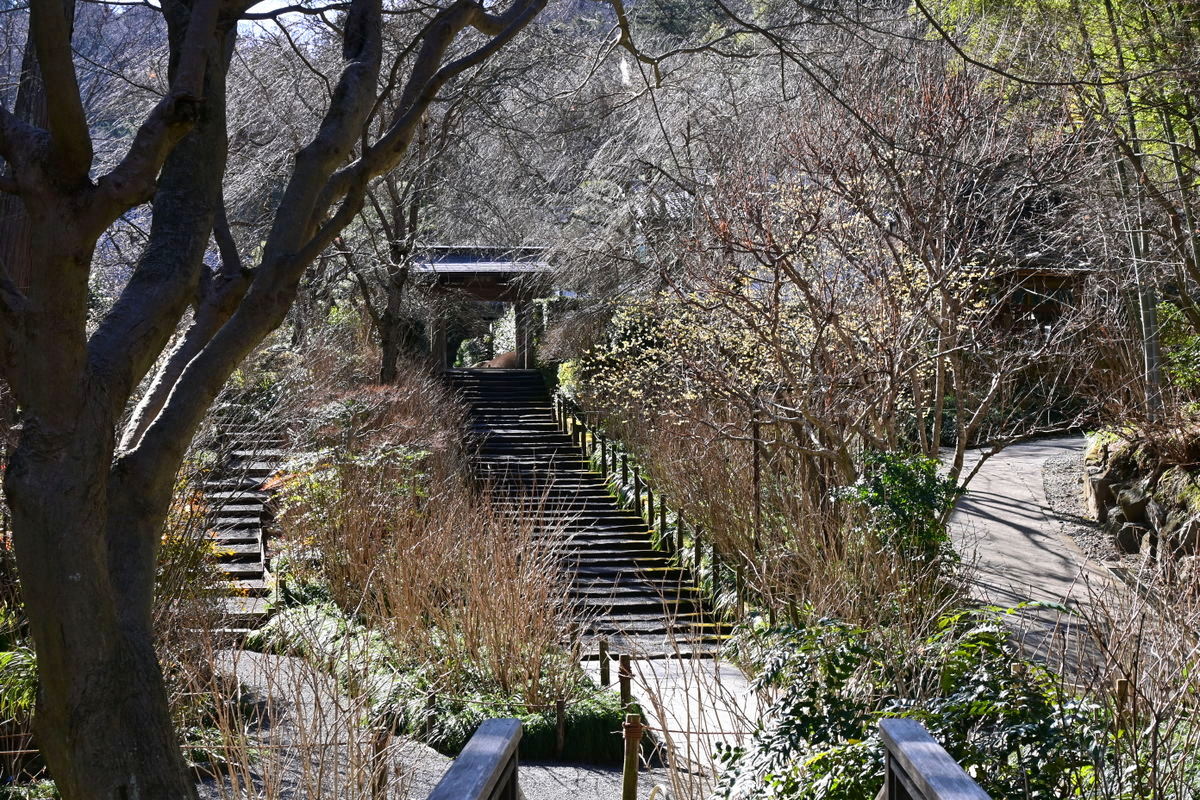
column 379, row 508
column 448, row 580
column 802, row 547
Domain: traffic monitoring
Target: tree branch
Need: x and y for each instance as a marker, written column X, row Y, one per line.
column 132, row 181
column 70, row 141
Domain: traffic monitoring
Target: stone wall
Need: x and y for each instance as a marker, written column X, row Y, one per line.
column 1146, row 508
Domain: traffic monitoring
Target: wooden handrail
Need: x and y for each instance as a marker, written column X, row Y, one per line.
column 572, row 419
column 918, row 768
column 486, row 769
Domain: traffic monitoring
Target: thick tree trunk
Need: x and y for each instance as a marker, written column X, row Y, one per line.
column 219, row 299
column 102, row 717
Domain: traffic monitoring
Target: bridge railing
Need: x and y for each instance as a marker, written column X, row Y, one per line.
column 486, row 769
column 726, row 579
column 918, row 768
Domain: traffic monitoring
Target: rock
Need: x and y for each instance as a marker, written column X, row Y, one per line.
column 1098, row 494
column 1187, row 572
column 1187, row 539
column 1133, row 502
column 1114, row 518
column 1128, row 538
column 1156, row 514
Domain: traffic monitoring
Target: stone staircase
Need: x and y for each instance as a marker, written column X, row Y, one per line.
column 237, row 516
column 628, row 592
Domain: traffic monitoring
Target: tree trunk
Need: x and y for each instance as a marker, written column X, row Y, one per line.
column 102, row 716
column 397, row 335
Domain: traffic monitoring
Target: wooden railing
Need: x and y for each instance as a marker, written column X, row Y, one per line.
column 486, row 769
column 724, row 577
column 918, row 768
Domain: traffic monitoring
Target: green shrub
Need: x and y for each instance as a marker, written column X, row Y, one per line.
column 1004, row 719
column 908, row 500
column 33, row 790
column 1181, row 348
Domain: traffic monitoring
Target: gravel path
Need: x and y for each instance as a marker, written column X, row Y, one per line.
column 1062, row 477
column 310, row 743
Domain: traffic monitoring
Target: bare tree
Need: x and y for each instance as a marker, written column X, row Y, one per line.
column 86, row 512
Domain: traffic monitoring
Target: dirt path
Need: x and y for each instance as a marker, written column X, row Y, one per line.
column 1007, row 531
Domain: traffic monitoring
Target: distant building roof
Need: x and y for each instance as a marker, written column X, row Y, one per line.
column 480, row 260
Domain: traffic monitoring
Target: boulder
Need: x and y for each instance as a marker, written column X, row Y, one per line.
column 1098, row 494
column 1156, row 514
column 1186, row 540
column 1133, row 502
column 1128, row 537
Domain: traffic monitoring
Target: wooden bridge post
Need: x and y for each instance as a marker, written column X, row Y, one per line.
column 379, row 763
column 632, row 730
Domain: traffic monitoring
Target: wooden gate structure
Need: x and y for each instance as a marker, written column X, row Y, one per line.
column 516, row 275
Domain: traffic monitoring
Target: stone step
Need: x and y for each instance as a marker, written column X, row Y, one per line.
column 220, row 486
column 235, row 523
column 236, row 538
column 241, row 496
column 241, row 570
column 275, row 454
column 234, row 509
column 249, row 587
column 257, row 468
column 227, row 551
column 244, row 611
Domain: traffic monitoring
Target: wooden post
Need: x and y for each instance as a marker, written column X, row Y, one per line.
column 603, row 455
column 637, row 491
column 624, row 470
column 649, row 507
column 740, row 589
column 696, row 554
column 560, row 728
column 1123, row 717
column 430, row 713
column 438, row 345
column 605, row 664
column 625, row 675
column 633, row 745
column 662, row 526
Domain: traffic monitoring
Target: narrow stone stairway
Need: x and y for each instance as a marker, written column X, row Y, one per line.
column 236, row 502
column 627, row 591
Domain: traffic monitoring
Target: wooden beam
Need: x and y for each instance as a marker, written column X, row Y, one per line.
column 481, row 769
column 922, row 766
